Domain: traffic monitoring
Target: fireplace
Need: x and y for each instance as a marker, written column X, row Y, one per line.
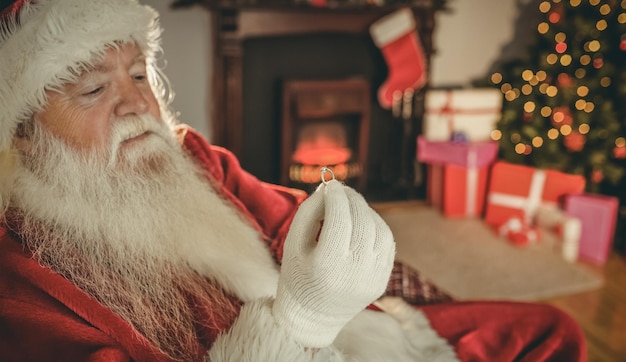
column 262, row 51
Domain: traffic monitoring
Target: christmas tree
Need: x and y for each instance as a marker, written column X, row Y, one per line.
column 565, row 104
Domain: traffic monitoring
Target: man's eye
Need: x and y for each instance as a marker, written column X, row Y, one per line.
column 139, row 77
column 93, row 91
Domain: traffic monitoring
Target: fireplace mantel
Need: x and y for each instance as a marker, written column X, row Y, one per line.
column 233, row 23
column 275, row 41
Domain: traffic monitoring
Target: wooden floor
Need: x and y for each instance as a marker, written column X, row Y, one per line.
column 602, row 312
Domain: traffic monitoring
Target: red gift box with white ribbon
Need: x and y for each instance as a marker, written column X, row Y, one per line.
column 519, row 191
column 457, row 191
column 457, row 174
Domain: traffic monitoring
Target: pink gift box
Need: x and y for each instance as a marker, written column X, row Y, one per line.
column 598, row 215
column 472, row 154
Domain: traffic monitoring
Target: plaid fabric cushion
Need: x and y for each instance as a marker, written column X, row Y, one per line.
column 407, row 283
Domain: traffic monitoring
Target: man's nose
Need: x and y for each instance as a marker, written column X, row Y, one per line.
column 132, row 100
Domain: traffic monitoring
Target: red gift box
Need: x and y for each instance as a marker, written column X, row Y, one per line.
column 598, row 215
column 518, row 191
column 457, row 174
column 456, row 190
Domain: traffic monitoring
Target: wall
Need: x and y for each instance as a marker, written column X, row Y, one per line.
column 468, row 39
column 187, row 45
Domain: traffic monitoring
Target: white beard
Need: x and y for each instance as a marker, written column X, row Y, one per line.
column 134, row 226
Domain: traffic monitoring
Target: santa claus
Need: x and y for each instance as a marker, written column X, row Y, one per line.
column 126, row 236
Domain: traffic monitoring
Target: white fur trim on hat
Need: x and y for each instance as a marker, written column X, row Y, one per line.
column 392, row 26
column 51, row 40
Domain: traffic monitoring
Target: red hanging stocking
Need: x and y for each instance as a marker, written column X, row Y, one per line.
column 395, row 35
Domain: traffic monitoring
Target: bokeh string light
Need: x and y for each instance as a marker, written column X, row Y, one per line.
column 564, row 108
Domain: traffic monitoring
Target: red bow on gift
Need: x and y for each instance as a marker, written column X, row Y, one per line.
column 518, row 232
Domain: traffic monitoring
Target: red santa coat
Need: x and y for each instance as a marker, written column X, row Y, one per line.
column 44, row 317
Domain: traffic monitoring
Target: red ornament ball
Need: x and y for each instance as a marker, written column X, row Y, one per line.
column 527, row 117
column 619, row 152
column 598, row 63
column 562, row 116
column 554, row 17
column 564, row 80
column 574, row 141
column 560, row 48
column 597, row 176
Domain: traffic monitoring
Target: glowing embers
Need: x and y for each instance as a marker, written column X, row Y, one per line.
column 323, row 143
column 310, row 174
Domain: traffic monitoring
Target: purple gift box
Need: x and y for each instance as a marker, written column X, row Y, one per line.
column 466, row 154
column 598, row 214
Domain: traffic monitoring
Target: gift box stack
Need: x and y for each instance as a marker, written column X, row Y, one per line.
column 519, row 202
column 456, row 145
column 457, row 174
column 530, row 197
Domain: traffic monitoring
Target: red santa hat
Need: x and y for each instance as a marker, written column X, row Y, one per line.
column 45, row 43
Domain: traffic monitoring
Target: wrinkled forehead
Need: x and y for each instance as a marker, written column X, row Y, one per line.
column 111, row 56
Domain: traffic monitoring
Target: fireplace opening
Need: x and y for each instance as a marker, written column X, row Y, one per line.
column 325, row 143
column 325, row 123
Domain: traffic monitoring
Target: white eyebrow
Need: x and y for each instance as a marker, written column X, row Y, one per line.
column 107, row 67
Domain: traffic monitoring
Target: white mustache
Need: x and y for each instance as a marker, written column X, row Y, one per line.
column 129, row 127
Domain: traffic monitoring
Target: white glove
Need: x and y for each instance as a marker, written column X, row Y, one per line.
column 323, row 284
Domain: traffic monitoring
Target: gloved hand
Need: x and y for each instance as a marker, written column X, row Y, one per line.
column 325, row 283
